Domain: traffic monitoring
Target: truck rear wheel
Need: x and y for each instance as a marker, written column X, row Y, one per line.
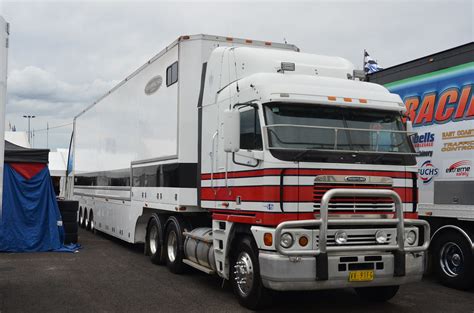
column 174, row 243
column 245, row 276
column 377, row 294
column 453, row 261
column 154, row 241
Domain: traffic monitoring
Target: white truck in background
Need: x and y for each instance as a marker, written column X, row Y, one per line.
column 437, row 90
column 4, row 33
column 271, row 168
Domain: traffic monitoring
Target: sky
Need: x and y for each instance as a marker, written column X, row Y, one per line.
column 64, row 55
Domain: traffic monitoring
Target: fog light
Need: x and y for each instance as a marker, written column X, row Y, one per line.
column 286, row 240
column 340, row 237
column 410, row 237
column 381, row 236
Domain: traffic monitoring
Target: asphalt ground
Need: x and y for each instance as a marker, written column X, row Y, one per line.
column 108, row 275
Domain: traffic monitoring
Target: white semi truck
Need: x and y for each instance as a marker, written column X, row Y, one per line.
column 274, row 169
column 437, row 90
column 4, row 33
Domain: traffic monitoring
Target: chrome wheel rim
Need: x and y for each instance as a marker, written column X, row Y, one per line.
column 172, row 245
column 92, row 224
column 81, row 218
column 452, row 259
column 153, row 239
column 244, row 273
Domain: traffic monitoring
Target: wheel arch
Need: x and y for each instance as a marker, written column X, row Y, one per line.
column 447, row 228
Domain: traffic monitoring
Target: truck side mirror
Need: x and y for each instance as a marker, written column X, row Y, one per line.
column 231, row 122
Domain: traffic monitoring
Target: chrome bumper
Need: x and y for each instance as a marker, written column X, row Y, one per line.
column 321, row 253
column 280, row 272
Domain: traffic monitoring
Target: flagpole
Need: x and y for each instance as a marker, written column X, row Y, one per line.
column 363, row 60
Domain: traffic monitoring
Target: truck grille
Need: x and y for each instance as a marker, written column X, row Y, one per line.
column 353, row 204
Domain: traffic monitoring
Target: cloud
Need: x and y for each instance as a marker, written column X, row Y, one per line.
column 34, row 83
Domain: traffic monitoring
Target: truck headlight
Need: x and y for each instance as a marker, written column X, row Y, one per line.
column 410, row 237
column 381, row 236
column 286, row 240
column 340, row 237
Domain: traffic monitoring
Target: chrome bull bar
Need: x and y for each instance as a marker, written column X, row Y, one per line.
column 323, row 222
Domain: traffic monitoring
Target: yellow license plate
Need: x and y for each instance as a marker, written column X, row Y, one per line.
column 361, row 276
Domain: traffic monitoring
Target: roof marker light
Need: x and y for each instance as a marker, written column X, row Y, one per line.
column 268, row 43
column 331, row 98
column 363, row 100
column 248, row 41
column 229, row 38
column 184, row 37
column 347, row 100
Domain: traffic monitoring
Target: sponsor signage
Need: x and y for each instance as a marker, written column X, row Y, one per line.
column 427, row 172
column 459, row 169
column 438, row 97
column 423, row 140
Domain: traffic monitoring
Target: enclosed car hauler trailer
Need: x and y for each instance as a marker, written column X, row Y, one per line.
column 437, row 91
column 272, row 168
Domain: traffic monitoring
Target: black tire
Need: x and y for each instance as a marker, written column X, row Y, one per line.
column 80, row 219
column 154, row 247
column 70, row 227
column 69, row 217
column 86, row 220
column 451, row 270
column 68, row 206
column 174, row 244
column 255, row 296
column 91, row 222
column 70, row 238
column 377, row 294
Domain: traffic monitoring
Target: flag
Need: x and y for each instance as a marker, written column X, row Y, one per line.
column 370, row 65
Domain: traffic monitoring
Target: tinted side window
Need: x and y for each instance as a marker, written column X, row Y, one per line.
column 172, row 74
column 250, row 132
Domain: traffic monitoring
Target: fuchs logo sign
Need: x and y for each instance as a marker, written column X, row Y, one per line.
column 460, row 168
column 427, row 172
column 424, row 140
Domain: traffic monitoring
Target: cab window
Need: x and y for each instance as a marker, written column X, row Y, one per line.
column 250, row 131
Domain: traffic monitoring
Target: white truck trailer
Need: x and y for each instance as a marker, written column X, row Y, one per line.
column 4, row 32
column 271, row 168
column 437, row 90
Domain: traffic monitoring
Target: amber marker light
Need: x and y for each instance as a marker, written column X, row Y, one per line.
column 268, row 239
column 331, row 98
column 363, row 100
column 303, row 241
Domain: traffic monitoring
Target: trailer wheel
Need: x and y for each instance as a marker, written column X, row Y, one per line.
column 245, row 276
column 453, row 261
column 175, row 226
column 377, row 294
column 91, row 222
column 154, row 241
column 81, row 218
column 87, row 221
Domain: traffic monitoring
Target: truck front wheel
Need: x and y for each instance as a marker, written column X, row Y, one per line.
column 377, row 294
column 453, row 261
column 245, row 276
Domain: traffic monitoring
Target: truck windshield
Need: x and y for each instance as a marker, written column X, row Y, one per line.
column 310, row 132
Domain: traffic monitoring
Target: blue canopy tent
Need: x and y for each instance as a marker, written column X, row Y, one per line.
column 30, row 213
